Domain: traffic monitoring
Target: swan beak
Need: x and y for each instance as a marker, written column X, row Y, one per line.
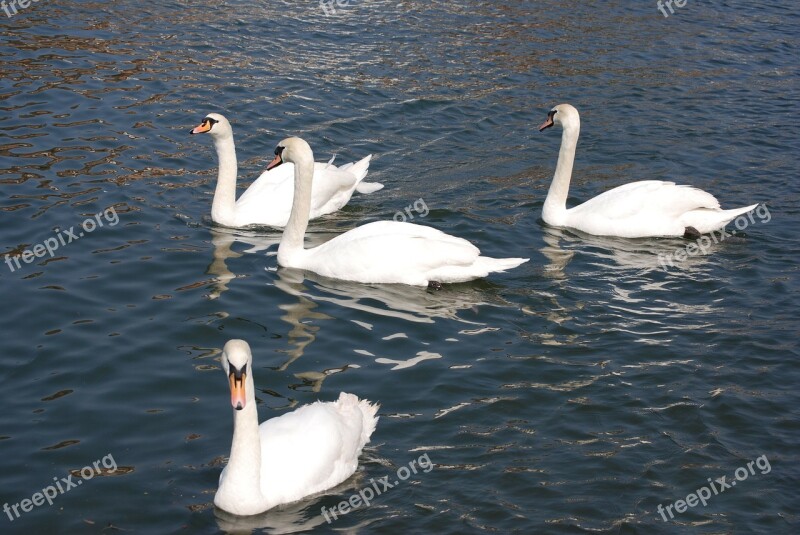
column 237, row 391
column 275, row 162
column 548, row 123
column 202, row 128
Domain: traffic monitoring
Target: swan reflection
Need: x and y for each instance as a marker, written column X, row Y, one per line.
column 222, row 242
column 409, row 303
column 646, row 254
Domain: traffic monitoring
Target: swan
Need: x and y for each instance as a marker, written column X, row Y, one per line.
column 284, row 459
column 648, row 208
column 268, row 200
column 378, row 252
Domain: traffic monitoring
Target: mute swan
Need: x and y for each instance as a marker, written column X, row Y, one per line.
column 284, row 459
column 378, row 252
column 649, row 208
column 268, row 200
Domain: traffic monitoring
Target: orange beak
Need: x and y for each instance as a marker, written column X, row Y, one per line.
column 202, row 128
column 275, row 162
column 238, row 400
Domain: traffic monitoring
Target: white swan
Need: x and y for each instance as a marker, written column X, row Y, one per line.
column 649, row 208
column 378, row 252
column 268, row 200
column 300, row 453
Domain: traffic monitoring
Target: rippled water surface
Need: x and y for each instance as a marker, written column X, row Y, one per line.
column 575, row 394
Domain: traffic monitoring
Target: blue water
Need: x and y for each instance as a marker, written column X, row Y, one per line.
column 575, row 394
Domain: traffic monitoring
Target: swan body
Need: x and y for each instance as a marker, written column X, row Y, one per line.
column 284, row 459
column 268, row 200
column 648, row 208
column 379, row 252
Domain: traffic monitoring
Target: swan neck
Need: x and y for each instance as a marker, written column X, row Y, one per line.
column 223, row 208
column 293, row 235
column 556, row 201
column 243, row 472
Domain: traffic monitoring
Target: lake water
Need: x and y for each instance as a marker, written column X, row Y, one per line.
column 574, row 394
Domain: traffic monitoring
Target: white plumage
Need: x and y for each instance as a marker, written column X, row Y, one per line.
column 295, row 455
column 649, row 208
column 378, row 252
column 268, row 200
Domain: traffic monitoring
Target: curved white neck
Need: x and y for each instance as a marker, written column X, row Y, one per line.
column 223, row 208
column 242, row 483
column 555, row 205
column 293, row 235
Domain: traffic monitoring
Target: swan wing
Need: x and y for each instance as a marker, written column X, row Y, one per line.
column 331, row 190
column 650, row 196
column 314, row 447
column 645, row 208
column 390, row 252
column 275, row 182
column 268, row 200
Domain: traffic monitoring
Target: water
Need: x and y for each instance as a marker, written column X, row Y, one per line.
column 574, row 394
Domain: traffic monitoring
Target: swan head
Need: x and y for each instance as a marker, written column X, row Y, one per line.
column 214, row 124
column 293, row 150
column 237, row 362
column 563, row 115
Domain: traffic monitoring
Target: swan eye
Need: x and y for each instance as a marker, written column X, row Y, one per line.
column 209, row 120
column 279, row 150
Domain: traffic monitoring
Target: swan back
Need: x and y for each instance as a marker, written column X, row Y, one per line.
column 315, row 447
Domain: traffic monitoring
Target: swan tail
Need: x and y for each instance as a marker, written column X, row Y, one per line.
column 360, row 169
column 367, row 410
column 499, row 264
column 706, row 221
column 368, row 187
column 735, row 212
column 481, row 267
